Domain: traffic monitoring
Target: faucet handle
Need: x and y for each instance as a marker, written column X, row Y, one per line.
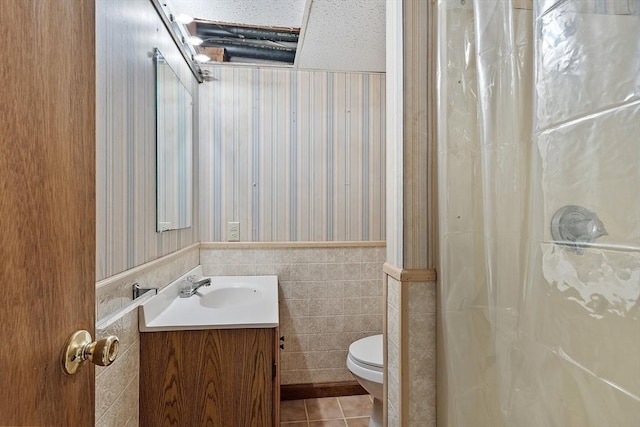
column 576, row 226
column 186, row 287
column 190, row 285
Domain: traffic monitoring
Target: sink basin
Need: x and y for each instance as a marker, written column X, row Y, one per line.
column 231, row 296
column 229, row 302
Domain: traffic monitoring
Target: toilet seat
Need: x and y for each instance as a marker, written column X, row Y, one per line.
column 368, row 351
column 365, row 358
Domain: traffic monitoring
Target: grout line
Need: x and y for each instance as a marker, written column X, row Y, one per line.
column 326, row 419
column 341, row 410
column 306, row 412
column 344, row 418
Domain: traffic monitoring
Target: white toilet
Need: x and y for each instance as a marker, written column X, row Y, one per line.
column 365, row 363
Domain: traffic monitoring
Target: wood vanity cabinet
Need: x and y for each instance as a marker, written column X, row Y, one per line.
column 214, row 377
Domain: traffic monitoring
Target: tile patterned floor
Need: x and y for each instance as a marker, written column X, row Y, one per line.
column 345, row 411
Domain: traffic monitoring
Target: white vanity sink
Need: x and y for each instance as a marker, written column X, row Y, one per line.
column 232, row 295
column 230, row 302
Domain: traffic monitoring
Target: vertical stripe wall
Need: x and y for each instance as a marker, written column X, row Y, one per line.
column 127, row 31
column 292, row 155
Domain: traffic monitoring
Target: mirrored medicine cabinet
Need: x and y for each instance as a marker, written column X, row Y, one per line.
column 174, row 148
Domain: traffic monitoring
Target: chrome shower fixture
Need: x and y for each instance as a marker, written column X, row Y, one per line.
column 576, row 227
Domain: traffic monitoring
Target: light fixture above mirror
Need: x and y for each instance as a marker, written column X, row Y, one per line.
column 175, row 24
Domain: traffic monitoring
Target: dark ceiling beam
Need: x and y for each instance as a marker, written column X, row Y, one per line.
column 218, row 30
column 255, row 51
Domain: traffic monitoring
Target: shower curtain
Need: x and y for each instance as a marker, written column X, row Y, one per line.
column 538, row 108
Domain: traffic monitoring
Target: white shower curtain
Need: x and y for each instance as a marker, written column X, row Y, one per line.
column 539, row 108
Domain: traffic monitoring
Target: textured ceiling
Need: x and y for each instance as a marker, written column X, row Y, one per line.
column 280, row 13
column 337, row 35
column 346, row 35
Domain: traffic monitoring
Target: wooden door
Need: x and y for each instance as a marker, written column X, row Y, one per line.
column 47, row 207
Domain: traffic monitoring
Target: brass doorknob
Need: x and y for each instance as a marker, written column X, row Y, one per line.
column 79, row 348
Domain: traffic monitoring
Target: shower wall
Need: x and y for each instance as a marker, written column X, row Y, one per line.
column 535, row 332
column 580, row 316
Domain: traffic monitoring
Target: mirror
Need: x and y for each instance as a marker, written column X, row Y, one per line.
column 174, row 116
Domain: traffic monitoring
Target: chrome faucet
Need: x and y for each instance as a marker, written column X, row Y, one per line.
column 192, row 285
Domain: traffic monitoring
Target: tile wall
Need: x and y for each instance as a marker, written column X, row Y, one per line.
column 421, row 350
column 393, row 373
column 411, row 353
column 330, row 296
column 117, row 385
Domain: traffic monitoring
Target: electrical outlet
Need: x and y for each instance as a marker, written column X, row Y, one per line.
column 233, row 231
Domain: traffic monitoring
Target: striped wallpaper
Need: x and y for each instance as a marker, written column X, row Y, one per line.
column 292, row 155
column 127, row 31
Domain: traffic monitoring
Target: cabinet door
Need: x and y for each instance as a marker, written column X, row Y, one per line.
column 207, row 378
